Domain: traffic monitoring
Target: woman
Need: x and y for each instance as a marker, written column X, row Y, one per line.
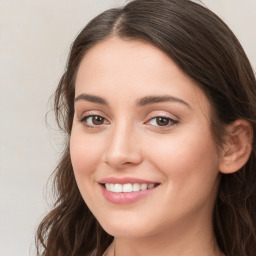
column 158, row 102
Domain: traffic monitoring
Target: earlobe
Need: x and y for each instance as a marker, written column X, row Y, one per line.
column 237, row 146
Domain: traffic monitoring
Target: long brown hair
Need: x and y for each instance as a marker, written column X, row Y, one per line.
column 207, row 51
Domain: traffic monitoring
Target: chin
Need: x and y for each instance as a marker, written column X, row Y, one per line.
column 127, row 229
column 125, row 232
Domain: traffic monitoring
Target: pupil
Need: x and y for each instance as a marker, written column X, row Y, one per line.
column 97, row 120
column 162, row 121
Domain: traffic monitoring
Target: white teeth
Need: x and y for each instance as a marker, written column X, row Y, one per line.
column 136, row 187
column 143, row 186
column 151, row 185
column 118, row 188
column 107, row 185
column 111, row 187
column 127, row 188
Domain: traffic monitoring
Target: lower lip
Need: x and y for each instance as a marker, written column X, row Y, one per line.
column 125, row 198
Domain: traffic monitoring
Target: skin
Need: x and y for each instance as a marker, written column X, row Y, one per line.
column 176, row 218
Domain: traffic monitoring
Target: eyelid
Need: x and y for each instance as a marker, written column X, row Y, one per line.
column 159, row 114
column 93, row 113
column 172, row 121
column 88, row 116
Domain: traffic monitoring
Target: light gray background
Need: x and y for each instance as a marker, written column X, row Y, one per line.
column 35, row 37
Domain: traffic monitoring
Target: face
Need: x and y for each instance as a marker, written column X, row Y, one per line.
column 141, row 146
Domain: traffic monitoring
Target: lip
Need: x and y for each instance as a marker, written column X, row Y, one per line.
column 129, row 197
column 125, row 180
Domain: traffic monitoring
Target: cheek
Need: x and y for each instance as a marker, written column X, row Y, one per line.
column 190, row 168
column 187, row 161
column 85, row 152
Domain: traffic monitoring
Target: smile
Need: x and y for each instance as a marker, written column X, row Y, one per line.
column 126, row 190
column 129, row 187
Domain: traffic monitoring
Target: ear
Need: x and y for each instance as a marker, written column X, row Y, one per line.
column 237, row 146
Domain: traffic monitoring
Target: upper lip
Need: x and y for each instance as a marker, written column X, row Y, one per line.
column 125, row 180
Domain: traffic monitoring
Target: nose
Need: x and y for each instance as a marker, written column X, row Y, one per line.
column 123, row 148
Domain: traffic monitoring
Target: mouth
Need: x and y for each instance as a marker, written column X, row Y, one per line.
column 126, row 190
column 128, row 187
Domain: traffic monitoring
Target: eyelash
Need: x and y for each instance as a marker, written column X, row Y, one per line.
column 170, row 121
column 84, row 121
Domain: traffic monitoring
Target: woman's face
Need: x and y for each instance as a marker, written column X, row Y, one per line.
column 142, row 126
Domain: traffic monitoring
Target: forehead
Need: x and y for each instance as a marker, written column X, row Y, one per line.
column 126, row 56
column 122, row 68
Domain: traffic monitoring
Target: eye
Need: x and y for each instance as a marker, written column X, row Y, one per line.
column 162, row 121
column 93, row 120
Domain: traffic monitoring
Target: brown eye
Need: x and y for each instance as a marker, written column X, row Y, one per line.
column 93, row 120
column 162, row 121
column 97, row 120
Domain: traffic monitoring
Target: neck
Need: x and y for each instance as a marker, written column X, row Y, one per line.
column 179, row 242
column 124, row 247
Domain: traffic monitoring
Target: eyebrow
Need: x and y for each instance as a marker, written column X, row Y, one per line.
column 91, row 98
column 141, row 102
column 159, row 99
